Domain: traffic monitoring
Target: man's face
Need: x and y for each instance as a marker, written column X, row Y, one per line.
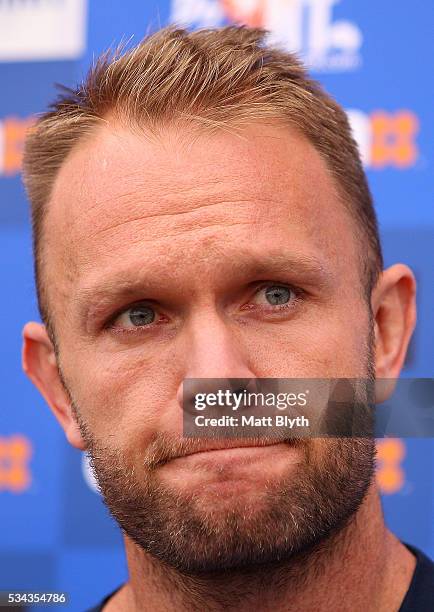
column 162, row 258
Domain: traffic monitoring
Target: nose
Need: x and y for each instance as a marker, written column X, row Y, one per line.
column 214, row 360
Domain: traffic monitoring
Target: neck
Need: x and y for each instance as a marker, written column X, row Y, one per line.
column 363, row 565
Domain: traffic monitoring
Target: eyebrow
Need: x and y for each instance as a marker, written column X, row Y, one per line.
column 123, row 285
column 308, row 266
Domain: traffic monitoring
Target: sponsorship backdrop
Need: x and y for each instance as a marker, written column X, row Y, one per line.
column 376, row 58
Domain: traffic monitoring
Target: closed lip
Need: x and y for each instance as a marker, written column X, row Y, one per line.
column 234, row 445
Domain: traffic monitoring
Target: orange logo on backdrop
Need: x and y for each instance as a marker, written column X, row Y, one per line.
column 393, row 139
column 15, row 453
column 390, row 474
column 14, row 132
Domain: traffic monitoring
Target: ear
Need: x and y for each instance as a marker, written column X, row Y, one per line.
column 393, row 304
column 40, row 364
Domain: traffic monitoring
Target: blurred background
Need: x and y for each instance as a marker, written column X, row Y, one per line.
column 376, row 58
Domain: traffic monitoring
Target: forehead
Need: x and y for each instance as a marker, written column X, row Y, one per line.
column 123, row 198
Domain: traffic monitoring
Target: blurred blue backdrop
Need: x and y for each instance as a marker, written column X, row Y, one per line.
column 376, row 59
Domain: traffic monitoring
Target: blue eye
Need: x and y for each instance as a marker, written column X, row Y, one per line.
column 276, row 295
column 140, row 315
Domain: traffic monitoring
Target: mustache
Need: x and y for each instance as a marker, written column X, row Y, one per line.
column 165, row 447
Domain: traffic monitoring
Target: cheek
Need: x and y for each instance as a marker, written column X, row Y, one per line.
column 332, row 344
column 119, row 394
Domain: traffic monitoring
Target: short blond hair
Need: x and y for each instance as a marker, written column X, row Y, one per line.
column 218, row 77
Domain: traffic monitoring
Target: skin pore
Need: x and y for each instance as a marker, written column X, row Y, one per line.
column 194, row 228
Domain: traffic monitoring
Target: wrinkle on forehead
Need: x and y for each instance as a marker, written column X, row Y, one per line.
column 116, row 168
column 109, row 200
column 171, row 224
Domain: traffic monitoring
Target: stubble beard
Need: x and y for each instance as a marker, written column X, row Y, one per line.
column 295, row 516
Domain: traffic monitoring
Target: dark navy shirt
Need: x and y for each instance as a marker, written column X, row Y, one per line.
column 419, row 597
